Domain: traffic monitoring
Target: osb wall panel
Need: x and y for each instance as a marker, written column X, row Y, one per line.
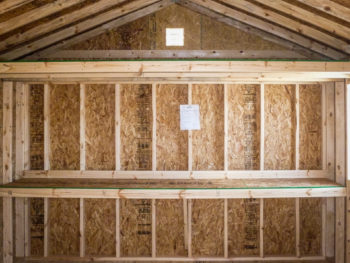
column 36, row 112
column 64, row 227
column 135, row 227
column 136, row 126
column 310, row 226
column 279, row 127
column 210, row 138
column 310, row 127
column 100, row 127
column 36, row 214
column 170, row 234
column 243, row 227
column 100, row 227
column 172, row 143
column 243, row 127
column 231, row 38
column 207, row 227
column 201, row 32
column 64, row 127
column 279, row 227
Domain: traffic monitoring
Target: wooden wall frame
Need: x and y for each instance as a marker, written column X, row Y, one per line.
column 192, row 72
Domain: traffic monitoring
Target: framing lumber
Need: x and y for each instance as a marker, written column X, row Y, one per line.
column 262, row 126
column 46, row 126
column 231, row 174
column 117, row 128
column 135, row 14
column 154, row 228
column 8, row 5
column 154, row 127
column 190, row 135
column 305, row 51
column 154, row 54
column 288, row 23
column 271, row 28
column 225, row 228
column 189, row 223
column 340, row 172
column 7, row 170
column 81, row 228
column 82, row 128
column 330, row 7
column 46, row 227
column 310, row 17
column 261, row 228
column 297, row 126
column 76, row 30
column 56, row 23
column 117, row 228
column 36, row 14
column 19, row 165
column 297, row 226
column 225, row 127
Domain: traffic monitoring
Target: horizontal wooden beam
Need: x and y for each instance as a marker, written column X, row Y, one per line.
column 74, row 30
column 176, row 174
column 153, row 54
column 35, row 14
column 173, row 194
column 329, row 7
column 266, row 35
column 272, row 28
column 182, row 66
column 313, row 18
column 313, row 259
column 119, row 21
column 8, row 5
column 60, row 21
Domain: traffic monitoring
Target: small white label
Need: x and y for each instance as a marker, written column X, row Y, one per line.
column 189, row 117
column 175, row 37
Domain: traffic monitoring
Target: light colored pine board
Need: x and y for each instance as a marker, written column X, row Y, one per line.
column 7, row 170
column 190, row 132
column 340, row 230
column 81, row 227
column 324, row 127
column 185, row 208
column 46, row 127
column 297, row 126
column 154, row 229
column 154, row 127
column 117, row 228
column 262, row 126
column 225, row 127
column 297, row 228
column 46, row 227
column 117, row 127
column 261, row 229
column 27, row 227
column 82, row 128
column 189, row 223
column 225, row 229
column 324, row 229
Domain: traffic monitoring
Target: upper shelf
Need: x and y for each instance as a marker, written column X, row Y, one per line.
column 174, row 189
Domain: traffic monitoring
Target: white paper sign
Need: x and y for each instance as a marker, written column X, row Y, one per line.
column 189, row 117
column 174, row 37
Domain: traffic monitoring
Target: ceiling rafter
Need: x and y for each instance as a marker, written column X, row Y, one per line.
column 329, row 7
column 288, row 23
column 110, row 25
column 36, row 14
column 273, row 29
column 252, row 30
column 56, row 23
column 8, row 5
column 81, row 27
column 307, row 16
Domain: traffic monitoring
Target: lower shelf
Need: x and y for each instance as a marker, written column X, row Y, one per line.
column 173, row 189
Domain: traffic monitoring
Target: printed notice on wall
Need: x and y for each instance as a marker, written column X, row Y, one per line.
column 189, row 117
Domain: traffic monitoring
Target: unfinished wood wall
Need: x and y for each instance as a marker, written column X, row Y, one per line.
column 206, row 217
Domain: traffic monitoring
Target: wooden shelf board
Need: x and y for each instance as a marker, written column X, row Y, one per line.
column 164, row 189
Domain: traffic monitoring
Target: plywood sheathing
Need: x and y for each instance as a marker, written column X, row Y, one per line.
column 207, row 227
column 100, row 127
column 100, row 227
column 172, row 143
column 243, row 227
column 136, row 227
column 136, row 127
column 36, row 113
column 243, row 127
column 64, row 127
column 210, row 138
column 36, row 214
column 201, row 32
column 310, row 127
column 279, row 227
column 310, row 226
column 170, row 234
column 279, row 127
column 63, row 227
